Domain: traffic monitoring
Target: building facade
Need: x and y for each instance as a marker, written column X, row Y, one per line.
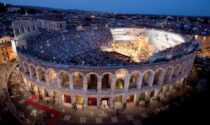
column 6, row 52
column 51, row 22
column 109, row 86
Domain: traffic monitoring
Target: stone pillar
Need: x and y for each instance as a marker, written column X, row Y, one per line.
column 124, row 98
column 139, row 83
column 47, row 79
column 73, row 98
column 30, row 72
column 127, row 80
column 58, row 82
column 37, row 75
column 99, row 85
column 111, row 101
column 136, row 98
column 85, row 101
column 60, row 98
column 36, row 89
column 85, row 86
column 20, row 32
column 42, row 92
column 71, row 84
column 161, row 78
column 151, row 80
column 113, row 84
column 98, row 102
column 170, row 77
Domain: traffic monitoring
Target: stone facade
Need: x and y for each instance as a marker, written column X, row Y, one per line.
column 96, row 86
column 24, row 26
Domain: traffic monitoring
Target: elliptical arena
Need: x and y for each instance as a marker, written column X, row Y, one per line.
column 103, row 67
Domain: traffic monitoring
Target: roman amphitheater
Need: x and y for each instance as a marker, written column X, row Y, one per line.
column 102, row 67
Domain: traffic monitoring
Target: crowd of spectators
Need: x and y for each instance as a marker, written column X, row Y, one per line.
column 73, row 47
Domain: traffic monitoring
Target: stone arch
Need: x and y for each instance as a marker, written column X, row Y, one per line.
column 41, row 74
column 118, row 100
column 121, row 73
column 131, row 98
column 176, row 71
column 158, row 78
column 134, row 79
column 64, row 79
column 168, row 74
column 106, row 80
column 92, row 81
column 66, row 98
column 143, row 96
column 46, row 93
column 32, row 71
column 26, row 68
column 153, row 93
column 148, row 76
column 52, row 75
column 77, row 79
column 120, row 83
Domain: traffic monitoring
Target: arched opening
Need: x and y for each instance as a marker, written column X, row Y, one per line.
column 64, row 79
column 106, row 81
column 92, row 101
column 28, row 29
column 130, row 98
column 147, row 78
column 158, row 77
column 153, row 94
column 176, row 72
column 33, row 72
column 17, row 31
column 46, row 94
column 134, row 80
column 52, row 76
column 162, row 92
column 67, row 99
column 118, row 101
column 22, row 29
column 92, row 81
column 105, row 102
column 41, row 74
column 77, row 80
column 119, row 84
column 168, row 74
column 79, row 100
column 54, row 95
column 143, row 96
column 26, row 69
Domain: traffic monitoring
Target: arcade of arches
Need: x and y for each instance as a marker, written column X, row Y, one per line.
column 105, row 90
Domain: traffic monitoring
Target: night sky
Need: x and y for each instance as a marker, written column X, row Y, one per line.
column 168, row 7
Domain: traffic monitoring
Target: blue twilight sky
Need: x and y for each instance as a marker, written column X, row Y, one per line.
column 169, row 7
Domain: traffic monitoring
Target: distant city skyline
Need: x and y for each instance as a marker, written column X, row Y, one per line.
column 165, row 7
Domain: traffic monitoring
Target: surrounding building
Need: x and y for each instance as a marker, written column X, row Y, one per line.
column 6, row 51
column 24, row 26
column 51, row 22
